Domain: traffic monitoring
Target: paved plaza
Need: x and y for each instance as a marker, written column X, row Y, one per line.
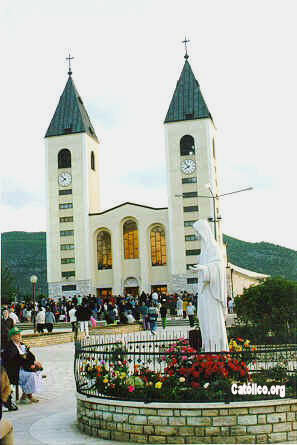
column 52, row 421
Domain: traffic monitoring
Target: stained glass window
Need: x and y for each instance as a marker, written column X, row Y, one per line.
column 104, row 255
column 131, row 248
column 158, row 246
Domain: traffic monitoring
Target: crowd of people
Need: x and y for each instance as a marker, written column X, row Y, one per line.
column 113, row 309
column 82, row 311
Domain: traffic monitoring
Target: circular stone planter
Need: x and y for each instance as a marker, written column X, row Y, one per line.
column 237, row 422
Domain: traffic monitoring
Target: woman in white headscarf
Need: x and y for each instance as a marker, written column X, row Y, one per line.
column 212, row 295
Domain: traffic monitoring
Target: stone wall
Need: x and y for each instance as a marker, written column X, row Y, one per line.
column 245, row 422
column 54, row 338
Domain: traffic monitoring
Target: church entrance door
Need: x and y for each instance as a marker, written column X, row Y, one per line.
column 160, row 288
column 104, row 292
column 132, row 291
column 131, row 286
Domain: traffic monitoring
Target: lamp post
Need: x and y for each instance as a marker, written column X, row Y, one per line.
column 33, row 280
column 216, row 218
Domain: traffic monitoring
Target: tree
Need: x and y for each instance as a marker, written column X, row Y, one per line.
column 271, row 306
column 8, row 290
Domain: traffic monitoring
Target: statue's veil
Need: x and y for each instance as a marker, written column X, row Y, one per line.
column 210, row 250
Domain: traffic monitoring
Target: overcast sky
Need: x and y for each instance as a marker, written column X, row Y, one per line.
column 128, row 57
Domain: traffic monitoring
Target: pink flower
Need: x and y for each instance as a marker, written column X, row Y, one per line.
column 184, row 357
column 131, row 388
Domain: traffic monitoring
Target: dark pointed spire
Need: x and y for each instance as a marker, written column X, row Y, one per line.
column 70, row 115
column 187, row 102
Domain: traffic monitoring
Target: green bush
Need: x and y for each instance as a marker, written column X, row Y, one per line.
column 268, row 311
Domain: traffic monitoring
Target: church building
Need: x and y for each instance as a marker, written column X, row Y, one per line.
column 132, row 247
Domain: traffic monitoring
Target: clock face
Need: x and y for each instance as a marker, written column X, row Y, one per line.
column 188, row 166
column 64, row 179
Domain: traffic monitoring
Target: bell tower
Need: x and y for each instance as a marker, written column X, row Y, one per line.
column 72, row 184
column 191, row 167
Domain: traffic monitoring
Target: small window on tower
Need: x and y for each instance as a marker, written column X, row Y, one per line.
column 187, row 145
column 64, row 158
column 92, row 160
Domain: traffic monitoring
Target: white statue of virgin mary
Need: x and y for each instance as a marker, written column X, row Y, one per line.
column 212, row 291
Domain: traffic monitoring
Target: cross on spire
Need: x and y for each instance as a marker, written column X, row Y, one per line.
column 69, row 58
column 186, row 56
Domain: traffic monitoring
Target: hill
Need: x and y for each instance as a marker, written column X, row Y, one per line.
column 24, row 253
column 262, row 257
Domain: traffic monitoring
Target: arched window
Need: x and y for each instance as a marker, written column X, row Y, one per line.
column 104, row 256
column 92, row 160
column 130, row 233
column 187, row 145
column 158, row 246
column 64, row 158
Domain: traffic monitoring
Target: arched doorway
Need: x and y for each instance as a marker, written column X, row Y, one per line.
column 131, row 286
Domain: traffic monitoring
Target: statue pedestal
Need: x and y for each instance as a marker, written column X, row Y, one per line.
column 195, row 339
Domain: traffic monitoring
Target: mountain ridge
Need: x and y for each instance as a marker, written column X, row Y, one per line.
column 24, row 253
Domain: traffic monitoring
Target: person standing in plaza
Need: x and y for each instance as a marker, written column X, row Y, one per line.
column 72, row 317
column 144, row 313
column 179, row 306
column 155, row 297
column 83, row 315
column 40, row 320
column 163, row 313
column 153, row 316
column 191, row 313
column 13, row 316
column 185, row 305
column 231, row 306
column 6, row 325
column 49, row 320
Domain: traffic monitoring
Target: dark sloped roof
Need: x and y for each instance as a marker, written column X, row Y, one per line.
column 70, row 115
column 187, row 102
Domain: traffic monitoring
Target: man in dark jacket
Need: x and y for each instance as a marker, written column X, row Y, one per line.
column 163, row 313
column 6, row 325
column 83, row 315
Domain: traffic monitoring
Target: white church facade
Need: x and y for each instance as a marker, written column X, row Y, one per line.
column 131, row 247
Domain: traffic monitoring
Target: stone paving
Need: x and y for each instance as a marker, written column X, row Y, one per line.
column 52, row 421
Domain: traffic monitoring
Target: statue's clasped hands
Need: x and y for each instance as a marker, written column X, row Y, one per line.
column 198, row 267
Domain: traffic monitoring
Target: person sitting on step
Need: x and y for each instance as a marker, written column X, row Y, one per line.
column 22, row 367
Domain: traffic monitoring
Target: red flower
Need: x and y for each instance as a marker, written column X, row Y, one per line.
column 195, row 385
column 240, row 339
column 196, row 374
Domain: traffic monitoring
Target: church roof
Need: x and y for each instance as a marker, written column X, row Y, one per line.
column 128, row 203
column 249, row 273
column 187, row 102
column 70, row 115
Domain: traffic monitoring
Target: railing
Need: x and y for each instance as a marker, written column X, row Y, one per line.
column 277, row 364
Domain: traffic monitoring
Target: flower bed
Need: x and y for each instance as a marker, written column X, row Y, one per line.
column 182, row 374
